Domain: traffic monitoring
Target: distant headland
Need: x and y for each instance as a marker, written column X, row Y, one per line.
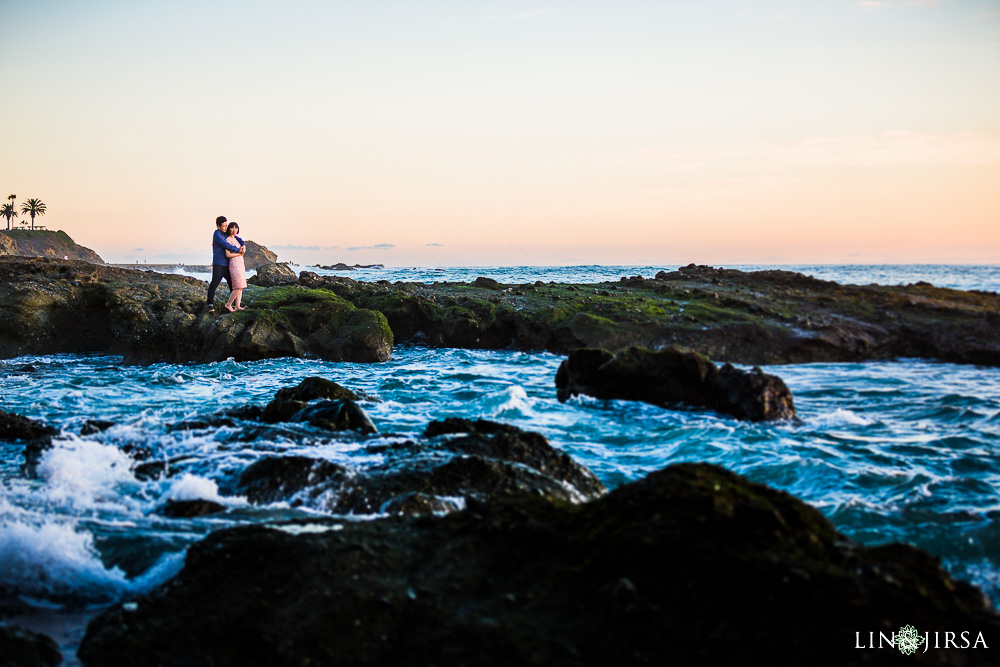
column 59, row 245
column 44, row 243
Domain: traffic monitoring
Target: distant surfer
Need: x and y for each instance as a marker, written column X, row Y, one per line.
column 237, row 269
column 220, row 263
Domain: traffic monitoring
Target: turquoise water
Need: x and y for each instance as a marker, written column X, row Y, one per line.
column 902, row 450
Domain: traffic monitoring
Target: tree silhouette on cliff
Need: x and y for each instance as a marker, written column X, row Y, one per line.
column 10, row 206
column 8, row 211
column 33, row 207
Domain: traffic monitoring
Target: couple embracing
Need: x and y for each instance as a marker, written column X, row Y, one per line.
column 227, row 262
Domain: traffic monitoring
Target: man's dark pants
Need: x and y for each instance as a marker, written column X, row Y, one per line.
column 218, row 273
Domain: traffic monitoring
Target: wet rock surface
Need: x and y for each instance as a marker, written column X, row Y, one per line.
column 18, row 427
column 51, row 306
column 674, row 376
column 457, row 461
column 36, row 436
column 691, row 565
column 761, row 317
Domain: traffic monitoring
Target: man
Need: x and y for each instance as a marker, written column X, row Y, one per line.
column 220, row 263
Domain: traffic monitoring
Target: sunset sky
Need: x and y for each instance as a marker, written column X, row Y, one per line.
column 478, row 133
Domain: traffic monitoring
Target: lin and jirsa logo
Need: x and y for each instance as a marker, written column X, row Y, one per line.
column 908, row 640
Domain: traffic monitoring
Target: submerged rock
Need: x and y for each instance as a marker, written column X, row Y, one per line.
column 673, row 376
column 691, row 565
column 342, row 415
column 319, row 402
column 297, row 479
column 482, row 461
column 18, row 427
column 36, row 436
column 187, row 509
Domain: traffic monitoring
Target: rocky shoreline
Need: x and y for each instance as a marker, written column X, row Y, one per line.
column 51, row 307
column 767, row 317
column 488, row 546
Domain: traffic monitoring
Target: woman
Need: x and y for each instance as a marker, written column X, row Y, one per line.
column 237, row 270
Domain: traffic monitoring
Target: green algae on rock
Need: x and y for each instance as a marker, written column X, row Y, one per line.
column 762, row 317
column 57, row 306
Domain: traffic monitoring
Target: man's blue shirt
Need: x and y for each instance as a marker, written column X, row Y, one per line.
column 219, row 245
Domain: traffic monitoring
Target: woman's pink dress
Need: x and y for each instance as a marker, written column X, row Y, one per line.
column 238, row 272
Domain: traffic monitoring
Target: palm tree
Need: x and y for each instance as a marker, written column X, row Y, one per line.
column 33, row 207
column 7, row 211
column 11, row 198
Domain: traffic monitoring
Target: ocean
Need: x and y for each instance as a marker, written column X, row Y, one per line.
column 903, row 450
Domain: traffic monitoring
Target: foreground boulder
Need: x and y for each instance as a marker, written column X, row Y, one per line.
column 457, row 461
column 673, row 376
column 692, row 565
column 23, row 648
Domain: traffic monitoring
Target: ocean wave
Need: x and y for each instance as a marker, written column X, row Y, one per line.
column 84, row 474
column 193, row 487
column 512, row 402
column 53, row 560
column 839, row 417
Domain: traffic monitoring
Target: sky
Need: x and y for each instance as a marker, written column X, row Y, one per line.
column 481, row 133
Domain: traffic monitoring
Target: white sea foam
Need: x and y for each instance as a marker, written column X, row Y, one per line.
column 84, row 474
column 53, row 559
column 305, row 528
column 512, row 402
column 192, row 487
column 839, row 417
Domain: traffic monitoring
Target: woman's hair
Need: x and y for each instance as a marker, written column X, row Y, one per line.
column 233, row 228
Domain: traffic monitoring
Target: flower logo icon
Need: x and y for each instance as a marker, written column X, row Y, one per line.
column 908, row 640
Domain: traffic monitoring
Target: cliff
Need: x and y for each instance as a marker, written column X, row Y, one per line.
column 43, row 243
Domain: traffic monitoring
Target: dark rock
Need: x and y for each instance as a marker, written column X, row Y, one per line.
column 37, row 437
column 188, row 509
column 23, row 648
column 273, row 275
column 510, row 443
column 487, row 283
column 249, row 412
column 313, row 388
column 257, row 256
column 18, row 427
column 416, row 503
column 311, row 279
column 672, row 376
column 342, row 415
column 692, row 565
column 467, row 477
column 289, row 401
column 480, row 460
column 291, row 478
column 92, row 426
